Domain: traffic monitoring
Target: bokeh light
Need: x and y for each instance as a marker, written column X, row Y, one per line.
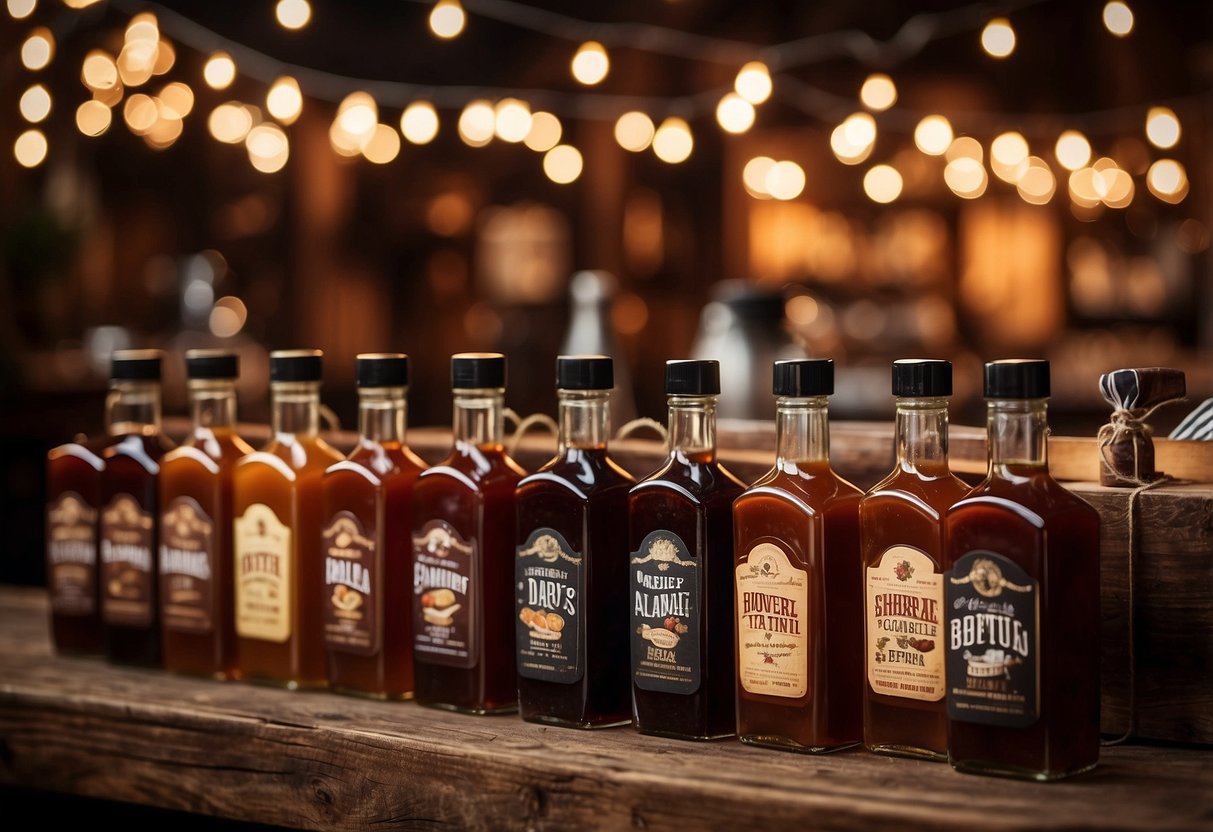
column 419, row 122
column 293, row 14
column 998, row 38
column 447, row 19
column 545, row 132
column 477, row 123
column 634, row 131
column 878, row 92
column 1118, row 18
column 734, row 114
column 673, row 141
column 1162, row 127
column 284, row 101
column 591, row 63
column 882, row 184
column 753, row 82
column 512, row 120
column 30, row 149
column 933, row 135
column 562, row 164
column 1073, row 151
column 219, row 71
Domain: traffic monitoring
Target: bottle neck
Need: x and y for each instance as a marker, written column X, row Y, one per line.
column 922, row 434
column 296, row 408
column 1018, row 433
column 382, row 414
column 802, row 431
column 133, row 407
column 479, row 417
column 213, row 403
column 585, row 417
column 693, row 428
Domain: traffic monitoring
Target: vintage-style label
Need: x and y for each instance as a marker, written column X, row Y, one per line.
column 993, row 641
column 905, row 613
column 71, row 554
column 351, row 586
column 665, row 615
column 549, row 580
column 445, row 591
column 187, row 562
column 262, row 547
column 772, row 617
column 126, row 563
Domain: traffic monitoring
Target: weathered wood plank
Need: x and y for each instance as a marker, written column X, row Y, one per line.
column 323, row 761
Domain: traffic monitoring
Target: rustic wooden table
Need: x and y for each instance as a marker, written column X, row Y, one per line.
column 316, row 760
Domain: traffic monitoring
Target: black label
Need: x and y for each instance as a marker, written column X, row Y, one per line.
column 665, row 615
column 993, row 639
column 549, row 581
column 351, row 609
column 444, row 600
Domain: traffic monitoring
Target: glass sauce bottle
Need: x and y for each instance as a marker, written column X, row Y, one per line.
column 901, row 520
column 799, row 602
column 572, row 562
column 367, row 541
column 196, row 590
column 1022, row 599
column 73, row 493
column 277, row 505
column 680, row 578
column 130, row 506
column 463, row 553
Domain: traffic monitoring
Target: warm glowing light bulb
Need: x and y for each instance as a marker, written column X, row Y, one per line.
column 447, row 19
column 21, row 9
column 754, row 82
column 140, row 112
column 785, row 180
column 268, row 147
column 966, row 177
column 859, row 130
column 754, row 176
column 30, row 148
column 477, row 123
column 35, row 104
column 93, row 118
column 36, row 52
column 591, row 63
column 166, row 56
column 1118, row 18
column 384, row 145
column 230, row 122
column 1037, row 184
column 933, row 135
column 673, row 141
column 1167, row 180
column 419, row 122
column 878, row 92
column 965, row 147
column 512, row 120
column 545, row 132
column 99, row 71
column 634, row 131
column 844, row 150
column 293, row 14
column 284, row 101
column 1162, row 127
column 219, row 71
column 735, row 114
column 998, row 38
column 882, row 184
column 357, row 116
column 1073, row 151
column 562, row 164
column 176, row 100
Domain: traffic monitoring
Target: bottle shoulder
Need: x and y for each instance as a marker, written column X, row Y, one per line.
column 933, row 493
column 582, row 473
column 702, row 479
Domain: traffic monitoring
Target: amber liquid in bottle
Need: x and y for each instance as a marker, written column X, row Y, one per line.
column 196, row 587
column 799, row 614
column 128, row 531
column 463, row 566
column 681, row 516
column 901, row 518
column 279, row 566
column 73, row 476
column 368, row 546
column 1019, row 538
column 579, row 499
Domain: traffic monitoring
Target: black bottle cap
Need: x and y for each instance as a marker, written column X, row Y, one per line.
column 922, row 377
column 212, row 364
column 690, row 377
column 584, row 372
column 804, row 377
column 135, row 365
column 1017, row 378
column 382, row 369
column 477, row 370
column 296, row 365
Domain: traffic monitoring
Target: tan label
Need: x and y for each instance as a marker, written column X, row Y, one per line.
column 262, row 545
column 905, row 608
column 126, row 562
column 186, row 561
column 351, row 622
column 71, row 554
column 772, row 615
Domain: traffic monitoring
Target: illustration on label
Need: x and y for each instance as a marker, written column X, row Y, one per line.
column 126, row 563
column 262, row 546
column 772, row 612
column 905, row 655
column 549, row 582
column 993, row 639
column 71, row 554
column 351, row 574
column 444, row 580
column 186, row 559
column 665, row 615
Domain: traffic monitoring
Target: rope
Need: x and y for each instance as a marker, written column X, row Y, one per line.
column 523, row 425
column 628, row 428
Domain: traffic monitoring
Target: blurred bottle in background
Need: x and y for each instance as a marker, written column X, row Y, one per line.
column 591, row 295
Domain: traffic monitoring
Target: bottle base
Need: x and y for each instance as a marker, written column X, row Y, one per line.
column 910, row 751
column 474, row 710
column 992, row 769
column 786, row 744
column 675, row 735
column 560, row 722
column 378, row 695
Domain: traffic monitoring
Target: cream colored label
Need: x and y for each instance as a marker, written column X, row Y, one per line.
column 772, row 618
column 904, row 614
column 263, row 575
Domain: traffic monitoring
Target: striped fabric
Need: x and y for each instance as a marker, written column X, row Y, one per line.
column 1198, row 424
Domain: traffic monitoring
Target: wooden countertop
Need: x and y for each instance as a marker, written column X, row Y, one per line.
column 318, row 760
